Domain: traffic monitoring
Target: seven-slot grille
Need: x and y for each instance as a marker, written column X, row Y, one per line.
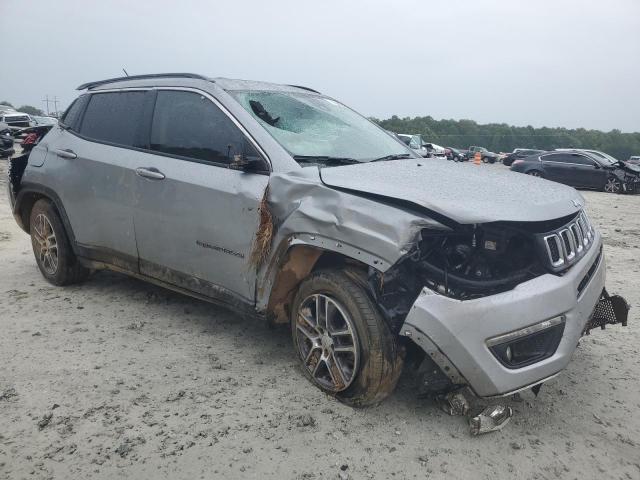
column 567, row 245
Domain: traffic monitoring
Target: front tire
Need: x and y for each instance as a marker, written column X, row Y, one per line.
column 54, row 256
column 613, row 185
column 343, row 343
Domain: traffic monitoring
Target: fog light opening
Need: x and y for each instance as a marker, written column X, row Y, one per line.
column 528, row 345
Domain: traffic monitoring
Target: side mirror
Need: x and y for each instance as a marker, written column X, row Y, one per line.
column 246, row 163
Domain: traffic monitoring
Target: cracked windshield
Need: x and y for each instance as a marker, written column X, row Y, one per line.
column 316, row 129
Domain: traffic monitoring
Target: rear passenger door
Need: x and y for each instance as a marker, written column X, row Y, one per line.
column 195, row 218
column 92, row 165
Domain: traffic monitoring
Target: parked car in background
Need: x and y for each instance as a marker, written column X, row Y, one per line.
column 581, row 169
column 455, row 154
column 44, row 120
column 6, row 141
column 283, row 204
column 486, row 155
column 519, row 153
column 16, row 120
column 634, row 160
column 435, row 150
column 415, row 143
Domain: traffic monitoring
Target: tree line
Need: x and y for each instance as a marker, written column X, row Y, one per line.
column 28, row 109
column 500, row 137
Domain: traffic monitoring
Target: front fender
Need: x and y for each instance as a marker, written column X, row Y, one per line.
column 307, row 212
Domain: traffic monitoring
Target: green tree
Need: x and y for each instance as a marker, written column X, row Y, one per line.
column 504, row 138
column 5, row 103
column 31, row 110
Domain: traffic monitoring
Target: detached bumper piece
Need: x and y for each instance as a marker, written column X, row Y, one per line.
column 610, row 310
column 17, row 165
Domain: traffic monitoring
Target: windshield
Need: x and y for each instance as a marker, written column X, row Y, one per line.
column 605, row 157
column 315, row 126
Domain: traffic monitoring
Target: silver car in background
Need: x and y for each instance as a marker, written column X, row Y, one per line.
column 283, row 204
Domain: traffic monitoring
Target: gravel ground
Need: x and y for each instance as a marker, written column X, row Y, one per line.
column 117, row 378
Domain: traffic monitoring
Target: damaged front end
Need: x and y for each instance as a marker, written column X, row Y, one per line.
column 464, row 263
column 498, row 306
column 629, row 176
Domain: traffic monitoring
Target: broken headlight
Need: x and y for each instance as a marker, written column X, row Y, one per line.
column 479, row 261
column 469, row 262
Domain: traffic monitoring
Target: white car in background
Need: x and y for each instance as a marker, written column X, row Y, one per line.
column 436, row 150
column 415, row 143
column 16, row 120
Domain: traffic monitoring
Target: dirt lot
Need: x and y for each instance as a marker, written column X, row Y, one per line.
column 117, row 378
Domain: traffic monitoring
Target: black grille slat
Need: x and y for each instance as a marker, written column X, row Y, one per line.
column 553, row 248
column 592, row 269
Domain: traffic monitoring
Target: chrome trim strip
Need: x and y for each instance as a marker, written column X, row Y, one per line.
column 556, row 240
column 567, row 237
column 523, row 332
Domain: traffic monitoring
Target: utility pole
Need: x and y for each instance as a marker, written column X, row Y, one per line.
column 46, row 100
column 55, row 104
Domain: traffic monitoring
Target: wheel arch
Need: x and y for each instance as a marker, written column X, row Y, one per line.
column 293, row 265
column 28, row 195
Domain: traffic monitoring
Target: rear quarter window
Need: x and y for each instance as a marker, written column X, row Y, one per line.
column 114, row 117
column 71, row 117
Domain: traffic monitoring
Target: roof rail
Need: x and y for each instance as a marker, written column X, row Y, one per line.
column 90, row 85
column 304, row 88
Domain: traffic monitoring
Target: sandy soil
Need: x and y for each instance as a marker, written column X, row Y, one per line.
column 117, row 378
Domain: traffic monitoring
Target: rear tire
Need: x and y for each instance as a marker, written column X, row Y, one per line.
column 535, row 173
column 54, row 256
column 367, row 376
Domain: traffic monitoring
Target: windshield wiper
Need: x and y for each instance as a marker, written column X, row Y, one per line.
column 324, row 159
column 395, row 156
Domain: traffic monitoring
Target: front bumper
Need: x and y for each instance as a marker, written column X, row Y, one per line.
column 455, row 333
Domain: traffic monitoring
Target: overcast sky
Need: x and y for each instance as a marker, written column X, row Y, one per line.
column 571, row 63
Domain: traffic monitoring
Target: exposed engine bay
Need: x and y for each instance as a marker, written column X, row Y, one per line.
column 472, row 261
column 629, row 175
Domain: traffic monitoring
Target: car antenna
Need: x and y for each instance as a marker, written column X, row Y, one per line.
column 125, row 72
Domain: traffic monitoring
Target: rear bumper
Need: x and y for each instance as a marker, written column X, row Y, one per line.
column 457, row 331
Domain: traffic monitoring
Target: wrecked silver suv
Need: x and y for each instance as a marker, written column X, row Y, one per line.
column 280, row 202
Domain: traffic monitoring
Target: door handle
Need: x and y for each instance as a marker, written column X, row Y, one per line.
column 150, row 172
column 66, row 153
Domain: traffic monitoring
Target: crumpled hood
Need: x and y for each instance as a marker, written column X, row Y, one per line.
column 463, row 192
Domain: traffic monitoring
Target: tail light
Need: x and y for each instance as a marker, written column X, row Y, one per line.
column 516, row 162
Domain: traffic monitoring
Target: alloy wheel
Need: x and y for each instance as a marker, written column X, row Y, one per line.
column 46, row 244
column 612, row 185
column 327, row 342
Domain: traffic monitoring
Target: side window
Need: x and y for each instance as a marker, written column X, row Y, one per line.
column 557, row 157
column 190, row 125
column 582, row 160
column 114, row 117
column 71, row 117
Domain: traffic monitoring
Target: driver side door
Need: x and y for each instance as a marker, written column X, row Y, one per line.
column 195, row 217
column 588, row 172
